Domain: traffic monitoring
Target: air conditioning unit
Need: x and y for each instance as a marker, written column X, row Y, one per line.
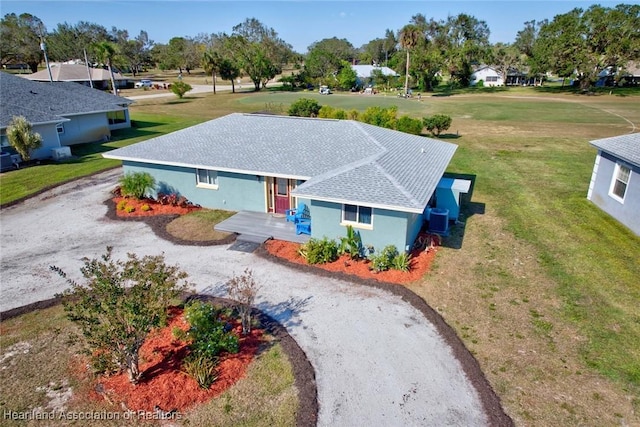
column 439, row 221
column 60, row 153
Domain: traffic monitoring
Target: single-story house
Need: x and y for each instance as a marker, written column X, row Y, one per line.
column 78, row 73
column 377, row 180
column 615, row 181
column 365, row 73
column 63, row 113
column 488, row 75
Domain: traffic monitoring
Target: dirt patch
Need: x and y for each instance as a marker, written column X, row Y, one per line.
column 420, row 263
column 161, row 356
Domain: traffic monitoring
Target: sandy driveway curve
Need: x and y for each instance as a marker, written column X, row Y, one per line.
column 378, row 361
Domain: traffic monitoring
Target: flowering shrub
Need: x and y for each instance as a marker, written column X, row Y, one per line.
column 129, row 209
column 145, row 207
column 122, row 204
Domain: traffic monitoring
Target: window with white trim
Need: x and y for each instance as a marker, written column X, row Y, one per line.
column 620, row 181
column 357, row 214
column 207, row 178
column 493, row 79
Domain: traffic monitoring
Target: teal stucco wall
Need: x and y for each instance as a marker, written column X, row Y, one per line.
column 389, row 227
column 235, row 191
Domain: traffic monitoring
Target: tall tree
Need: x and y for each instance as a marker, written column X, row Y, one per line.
column 467, row 45
column 69, row 42
column 106, row 52
column 410, row 36
column 583, row 43
column 504, row 57
column 259, row 51
column 20, row 38
column 211, row 63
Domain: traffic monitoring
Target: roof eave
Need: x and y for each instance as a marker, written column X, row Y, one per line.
column 359, row 203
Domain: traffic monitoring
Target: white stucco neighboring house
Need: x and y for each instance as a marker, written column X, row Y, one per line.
column 63, row 113
column 488, row 75
column 615, row 181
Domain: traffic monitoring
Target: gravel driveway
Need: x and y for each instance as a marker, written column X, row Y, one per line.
column 378, row 361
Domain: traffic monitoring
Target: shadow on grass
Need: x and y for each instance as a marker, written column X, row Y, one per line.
column 449, row 136
column 141, row 124
column 468, row 208
column 184, row 100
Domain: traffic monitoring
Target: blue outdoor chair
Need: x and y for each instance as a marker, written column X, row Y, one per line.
column 296, row 214
column 303, row 226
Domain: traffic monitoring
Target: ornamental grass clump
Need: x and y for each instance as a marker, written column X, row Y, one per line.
column 137, row 184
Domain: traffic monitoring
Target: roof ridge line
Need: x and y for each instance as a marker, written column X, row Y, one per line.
column 397, row 184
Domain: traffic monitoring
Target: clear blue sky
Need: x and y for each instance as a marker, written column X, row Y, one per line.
column 299, row 23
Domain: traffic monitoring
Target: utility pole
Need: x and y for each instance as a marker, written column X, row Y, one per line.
column 43, row 46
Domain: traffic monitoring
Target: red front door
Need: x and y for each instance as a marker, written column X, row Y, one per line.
column 281, row 191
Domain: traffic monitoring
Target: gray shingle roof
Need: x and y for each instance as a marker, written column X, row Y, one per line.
column 341, row 160
column 625, row 147
column 45, row 102
column 73, row 73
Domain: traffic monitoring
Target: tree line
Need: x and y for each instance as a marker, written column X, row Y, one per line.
column 578, row 44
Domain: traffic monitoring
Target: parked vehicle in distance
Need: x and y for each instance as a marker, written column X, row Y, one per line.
column 324, row 90
column 143, row 83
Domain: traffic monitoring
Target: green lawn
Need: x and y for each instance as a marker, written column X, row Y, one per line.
column 529, row 151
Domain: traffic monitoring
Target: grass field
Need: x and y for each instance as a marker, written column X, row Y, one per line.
column 544, row 289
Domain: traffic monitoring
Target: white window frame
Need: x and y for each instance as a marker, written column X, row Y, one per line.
column 356, row 223
column 614, row 179
column 60, row 128
column 212, row 179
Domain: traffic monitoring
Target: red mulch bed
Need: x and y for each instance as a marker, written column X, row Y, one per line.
column 163, row 383
column 156, row 208
column 420, row 263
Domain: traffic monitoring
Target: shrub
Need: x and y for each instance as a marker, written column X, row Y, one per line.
column 409, row 125
column 437, row 123
column 145, row 208
column 304, row 107
column 180, row 88
column 317, row 251
column 119, row 305
column 122, row 204
column 208, row 335
column 378, row 116
column 202, row 369
column 129, row 209
column 243, row 290
column 384, row 260
column 137, row 184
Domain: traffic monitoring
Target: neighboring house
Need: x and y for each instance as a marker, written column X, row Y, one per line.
column 365, row 73
column 79, row 73
column 615, row 181
column 380, row 181
column 62, row 113
column 628, row 76
column 488, row 75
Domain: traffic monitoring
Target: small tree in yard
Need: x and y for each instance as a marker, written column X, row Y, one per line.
column 119, row 305
column 180, row 88
column 22, row 138
column 243, row 289
column 136, row 184
column 437, row 123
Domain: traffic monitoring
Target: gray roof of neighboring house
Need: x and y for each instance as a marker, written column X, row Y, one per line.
column 340, row 160
column 51, row 102
column 625, row 147
column 73, row 73
column 364, row 71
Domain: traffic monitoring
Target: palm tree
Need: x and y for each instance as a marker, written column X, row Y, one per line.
column 21, row 137
column 409, row 38
column 105, row 52
column 211, row 63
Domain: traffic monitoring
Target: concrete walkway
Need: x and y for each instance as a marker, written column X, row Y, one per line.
column 378, row 361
